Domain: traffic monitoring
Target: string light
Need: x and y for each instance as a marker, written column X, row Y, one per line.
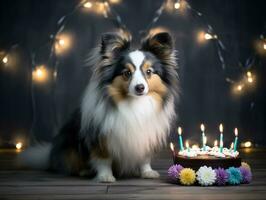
column 239, row 87
column 250, row 79
column 264, row 46
column 87, row 5
column 98, row 7
column 177, row 5
column 5, row 60
column 114, row 1
column 63, row 43
column 40, row 74
column 249, row 74
column 204, row 36
column 19, row 145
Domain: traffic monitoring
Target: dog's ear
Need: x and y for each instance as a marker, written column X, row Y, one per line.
column 160, row 44
column 113, row 44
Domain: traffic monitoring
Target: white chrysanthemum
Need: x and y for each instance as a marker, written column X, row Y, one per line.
column 206, row 176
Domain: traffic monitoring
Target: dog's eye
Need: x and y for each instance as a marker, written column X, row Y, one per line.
column 149, row 72
column 127, row 74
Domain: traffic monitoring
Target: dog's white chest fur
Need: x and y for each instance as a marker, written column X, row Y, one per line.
column 136, row 129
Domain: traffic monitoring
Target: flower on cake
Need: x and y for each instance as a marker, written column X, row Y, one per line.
column 206, row 176
column 235, row 176
column 187, row 176
column 221, row 176
column 173, row 172
column 246, row 175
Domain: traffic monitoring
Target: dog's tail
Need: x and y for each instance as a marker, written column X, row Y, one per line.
column 36, row 157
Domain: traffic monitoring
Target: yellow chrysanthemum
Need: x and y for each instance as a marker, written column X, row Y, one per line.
column 245, row 165
column 187, row 176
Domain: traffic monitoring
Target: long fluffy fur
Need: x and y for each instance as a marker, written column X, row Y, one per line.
column 128, row 132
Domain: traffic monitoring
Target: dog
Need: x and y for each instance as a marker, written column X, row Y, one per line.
column 126, row 114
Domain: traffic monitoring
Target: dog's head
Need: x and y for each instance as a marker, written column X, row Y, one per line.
column 149, row 70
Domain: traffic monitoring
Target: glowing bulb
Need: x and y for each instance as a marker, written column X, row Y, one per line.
column 87, row 5
column 40, row 74
column 215, row 143
column 221, row 128
column 249, row 74
column 208, row 36
column 114, row 1
column 61, row 42
column 179, row 130
column 247, row 144
column 19, row 145
column 172, row 147
column 5, row 60
column 236, row 132
column 177, row 5
column 239, row 87
column 264, row 46
column 202, row 127
column 250, row 79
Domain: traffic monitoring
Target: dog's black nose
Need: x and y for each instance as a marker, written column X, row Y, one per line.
column 139, row 88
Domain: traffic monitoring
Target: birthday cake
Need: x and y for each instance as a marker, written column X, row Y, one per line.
column 207, row 165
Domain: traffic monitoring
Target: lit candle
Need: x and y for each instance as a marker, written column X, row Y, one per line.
column 221, row 128
column 179, row 130
column 236, row 138
column 205, row 142
column 187, row 146
column 172, row 147
column 202, row 128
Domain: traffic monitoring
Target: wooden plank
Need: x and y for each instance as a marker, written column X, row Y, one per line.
column 25, row 184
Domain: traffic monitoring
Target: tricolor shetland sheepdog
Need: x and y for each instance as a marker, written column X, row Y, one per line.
column 126, row 113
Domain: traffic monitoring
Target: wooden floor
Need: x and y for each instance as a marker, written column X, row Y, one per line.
column 18, row 184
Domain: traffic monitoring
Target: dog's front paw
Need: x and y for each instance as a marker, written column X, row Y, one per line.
column 105, row 178
column 152, row 174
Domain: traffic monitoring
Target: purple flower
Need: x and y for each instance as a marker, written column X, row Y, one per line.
column 246, row 175
column 221, row 176
column 173, row 172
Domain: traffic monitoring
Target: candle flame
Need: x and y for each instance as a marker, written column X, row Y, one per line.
column 187, row 144
column 172, row 147
column 236, row 132
column 221, row 128
column 202, row 127
column 215, row 143
column 179, row 130
column 232, row 145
